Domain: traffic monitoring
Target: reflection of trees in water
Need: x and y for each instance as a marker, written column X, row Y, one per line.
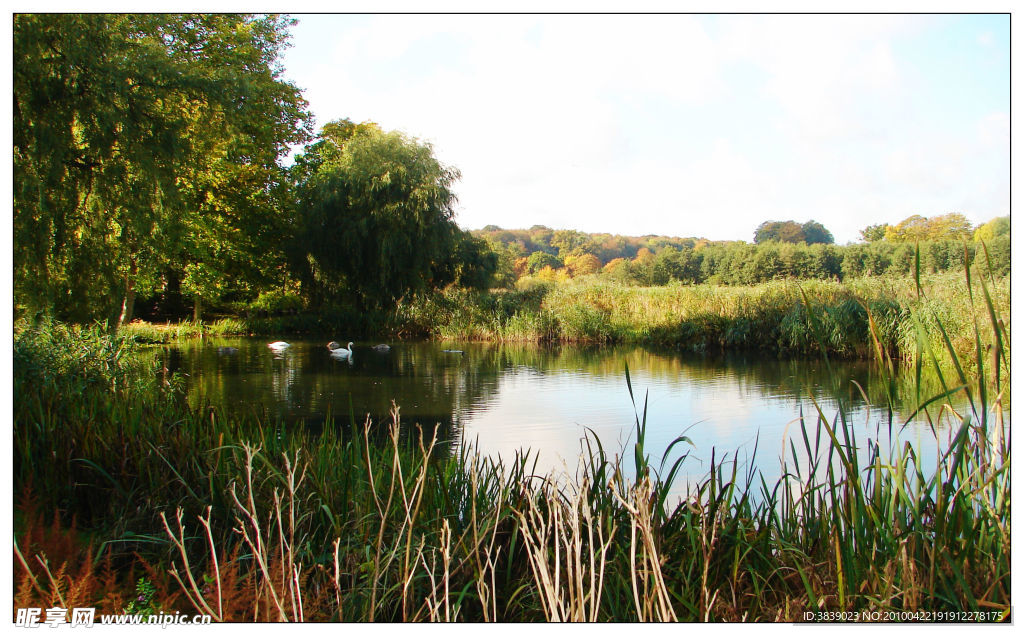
column 786, row 379
column 431, row 387
column 307, row 385
column 284, row 376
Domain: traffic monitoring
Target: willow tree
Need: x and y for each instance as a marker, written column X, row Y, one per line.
column 375, row 213
column 142, row 143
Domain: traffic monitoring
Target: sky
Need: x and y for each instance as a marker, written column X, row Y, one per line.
column 682, row 125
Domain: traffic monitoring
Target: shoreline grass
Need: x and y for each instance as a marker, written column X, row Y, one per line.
column 771, row 318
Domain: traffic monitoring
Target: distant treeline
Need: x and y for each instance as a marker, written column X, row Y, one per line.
column 658, row 260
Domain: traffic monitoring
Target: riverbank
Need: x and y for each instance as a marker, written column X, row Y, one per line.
column 805, row 318
column 369, row 521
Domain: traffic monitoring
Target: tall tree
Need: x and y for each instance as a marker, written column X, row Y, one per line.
column 473, row 263
column 946, row 227
column 539, row 260
column 131, row 131
column 571, row 243
column 375, row 216
column 815, row 233
column 873, row 233
column 999, row 226
column 792, row 232
column 781, row 231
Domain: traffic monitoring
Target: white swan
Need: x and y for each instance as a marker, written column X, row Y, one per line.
column 381, row 348
column 338, row 351
column 280, row 345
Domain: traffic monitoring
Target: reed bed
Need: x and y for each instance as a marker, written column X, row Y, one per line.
column 773, row 318
column 155, row 333
column 376, row 521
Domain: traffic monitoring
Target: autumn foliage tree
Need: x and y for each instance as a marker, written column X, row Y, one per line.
column 999, row 226
column 947, row 227
column 582, row 264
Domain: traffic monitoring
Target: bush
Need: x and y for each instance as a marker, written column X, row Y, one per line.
column 275, row 302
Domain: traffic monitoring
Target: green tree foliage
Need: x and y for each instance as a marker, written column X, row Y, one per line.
column 779, row 231
column 666, row 266
column 617, row 269
column 540, row 239
column 539, row 260
column 505, row 266
column 873, row 233
column 676, row 264
column 999, row 226
column 765, row 265
column 642, row 267
column 143, row 142
column 473, row 264
column 810, row 232
column 994, row 255
column 563, row 243
column 815, row 233
column 375, row 217
column 571, row 243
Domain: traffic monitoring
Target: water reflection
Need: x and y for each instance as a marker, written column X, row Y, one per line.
column 506, row 398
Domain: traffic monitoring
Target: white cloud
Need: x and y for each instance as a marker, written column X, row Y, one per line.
column 994, row 131
column 820, row 69
column 609, row 123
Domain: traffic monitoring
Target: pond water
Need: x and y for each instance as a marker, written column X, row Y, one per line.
column 505, row 398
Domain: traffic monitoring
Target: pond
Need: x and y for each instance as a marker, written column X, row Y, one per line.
column 504, row 398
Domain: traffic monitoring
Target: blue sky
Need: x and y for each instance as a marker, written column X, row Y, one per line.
column 686, row 125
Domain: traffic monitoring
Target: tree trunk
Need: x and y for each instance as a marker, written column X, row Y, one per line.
column 128, row 302
column 197, row 309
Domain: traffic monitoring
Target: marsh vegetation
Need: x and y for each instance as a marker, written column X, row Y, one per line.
column 367, row 520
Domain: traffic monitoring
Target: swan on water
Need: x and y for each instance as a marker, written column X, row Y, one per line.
column 338, row 351
column 280, row 345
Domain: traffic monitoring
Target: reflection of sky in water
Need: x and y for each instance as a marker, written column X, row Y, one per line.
column 548, row 412
column 511, row 398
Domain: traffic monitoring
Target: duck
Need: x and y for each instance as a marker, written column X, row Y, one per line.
column 280, row 345
column 338, row 351
column 381, row 348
